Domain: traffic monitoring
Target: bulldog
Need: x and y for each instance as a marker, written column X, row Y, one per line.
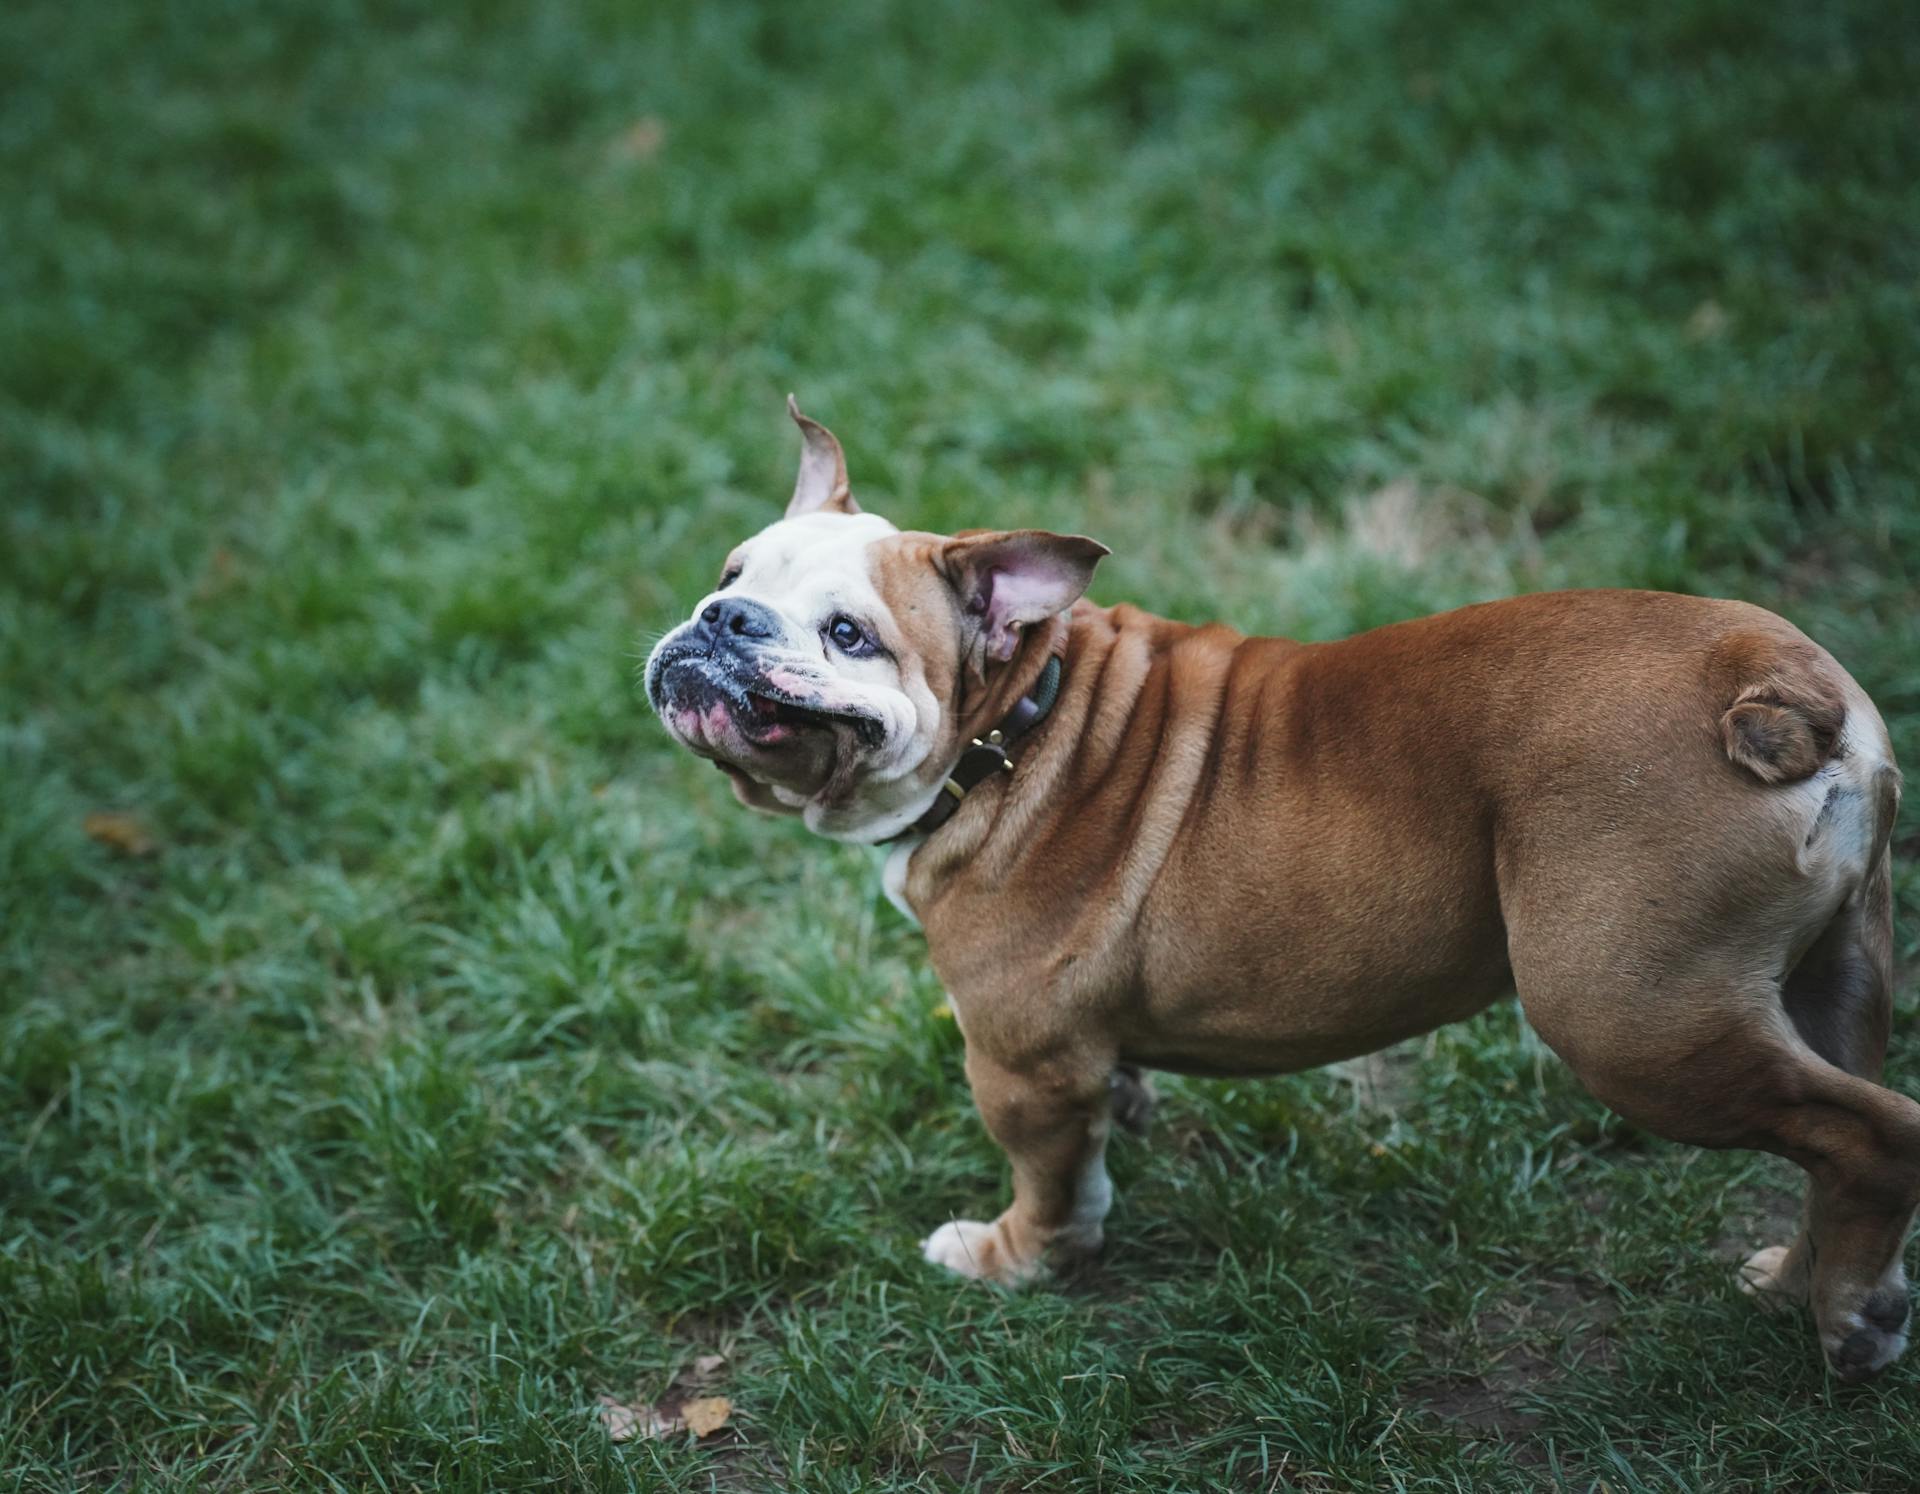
column 1137, row 844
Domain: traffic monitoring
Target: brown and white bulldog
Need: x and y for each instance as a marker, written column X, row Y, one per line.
column 1663, row 819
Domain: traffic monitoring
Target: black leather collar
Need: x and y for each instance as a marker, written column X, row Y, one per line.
column 988, row 755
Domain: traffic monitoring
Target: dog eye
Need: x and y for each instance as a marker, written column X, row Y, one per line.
column 732, row 575
column 847, row 635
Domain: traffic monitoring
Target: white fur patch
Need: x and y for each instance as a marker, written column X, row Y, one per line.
column 961, row 1246
column 893, row 875
column 1837, row 808
column 808, row 571
column 1093, row 1193
column 812, row 566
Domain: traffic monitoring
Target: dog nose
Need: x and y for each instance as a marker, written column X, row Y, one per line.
column 739, row 618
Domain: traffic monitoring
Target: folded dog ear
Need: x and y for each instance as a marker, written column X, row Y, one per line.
column 822, row 484
column 1014, row 578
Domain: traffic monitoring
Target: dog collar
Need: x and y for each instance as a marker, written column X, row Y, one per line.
column 987, row 755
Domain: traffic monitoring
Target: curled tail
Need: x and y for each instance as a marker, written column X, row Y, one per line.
column 1788, row 706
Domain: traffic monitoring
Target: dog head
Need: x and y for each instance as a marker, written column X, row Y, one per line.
column 840, row 665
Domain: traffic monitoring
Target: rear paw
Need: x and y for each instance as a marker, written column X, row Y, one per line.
column 1133, row 1099
column 1872, row 1338
column 1765, row 1276
column 1774, row 1279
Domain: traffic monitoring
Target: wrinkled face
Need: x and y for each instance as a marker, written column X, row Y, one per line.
column 826, row 672
column 794, row 674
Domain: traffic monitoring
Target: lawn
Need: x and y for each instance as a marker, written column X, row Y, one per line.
column 428, row 1049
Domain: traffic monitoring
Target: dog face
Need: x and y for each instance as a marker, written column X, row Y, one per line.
column 830, row 670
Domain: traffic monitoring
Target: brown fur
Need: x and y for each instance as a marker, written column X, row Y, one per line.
column 1787, row 712
column 1663, row 820
column 1231, row 855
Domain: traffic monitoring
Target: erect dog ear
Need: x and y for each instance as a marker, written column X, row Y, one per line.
column 1011, row 579
column 822, row 484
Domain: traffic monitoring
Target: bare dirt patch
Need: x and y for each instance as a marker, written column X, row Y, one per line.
column 1526, row 1340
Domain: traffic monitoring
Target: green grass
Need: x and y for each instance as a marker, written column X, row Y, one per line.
column 376, row 380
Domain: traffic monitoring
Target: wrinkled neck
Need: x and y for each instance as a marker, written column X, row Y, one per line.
column 984, row 704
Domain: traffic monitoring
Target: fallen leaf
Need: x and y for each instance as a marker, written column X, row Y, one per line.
column 120, row 832
column 676, row 1412
column 706, row 1415
column 625, row 1423
column 220, row 572
column 620, row 1421
column 1709, row 320
column 641, row 140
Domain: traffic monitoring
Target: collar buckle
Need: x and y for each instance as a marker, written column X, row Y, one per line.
column 987, row 756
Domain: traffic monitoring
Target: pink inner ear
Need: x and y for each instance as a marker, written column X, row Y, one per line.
column 1027, row 595
column 1015, row 598
column 1019, row 578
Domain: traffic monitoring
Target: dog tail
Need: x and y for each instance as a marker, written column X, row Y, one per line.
column 1789, row 705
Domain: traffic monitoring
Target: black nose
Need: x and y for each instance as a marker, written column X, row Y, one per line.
column 739, row 618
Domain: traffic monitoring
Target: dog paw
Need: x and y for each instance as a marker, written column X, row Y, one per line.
column 1133, row 1099
column 1872, row 1338
column 976, row 1251
column 1773, row 1279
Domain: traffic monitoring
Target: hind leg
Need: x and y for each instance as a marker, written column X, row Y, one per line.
column 1860, row 1145
column 1839, row 999
column 1708, row 1056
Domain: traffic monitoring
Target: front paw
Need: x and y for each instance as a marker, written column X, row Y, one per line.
column 979, row 1252
column 1776, row 1278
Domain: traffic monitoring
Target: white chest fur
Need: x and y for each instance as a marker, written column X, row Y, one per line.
column 893, row 874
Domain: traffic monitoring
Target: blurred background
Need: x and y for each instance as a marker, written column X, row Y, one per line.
column 402, row 1048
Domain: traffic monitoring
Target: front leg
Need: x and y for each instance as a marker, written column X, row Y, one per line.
column 1052, row 1118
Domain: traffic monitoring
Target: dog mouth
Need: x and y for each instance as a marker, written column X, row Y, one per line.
column 708, row 699
column 765, row 719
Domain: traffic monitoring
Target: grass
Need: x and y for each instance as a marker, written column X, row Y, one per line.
column 375, row 379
